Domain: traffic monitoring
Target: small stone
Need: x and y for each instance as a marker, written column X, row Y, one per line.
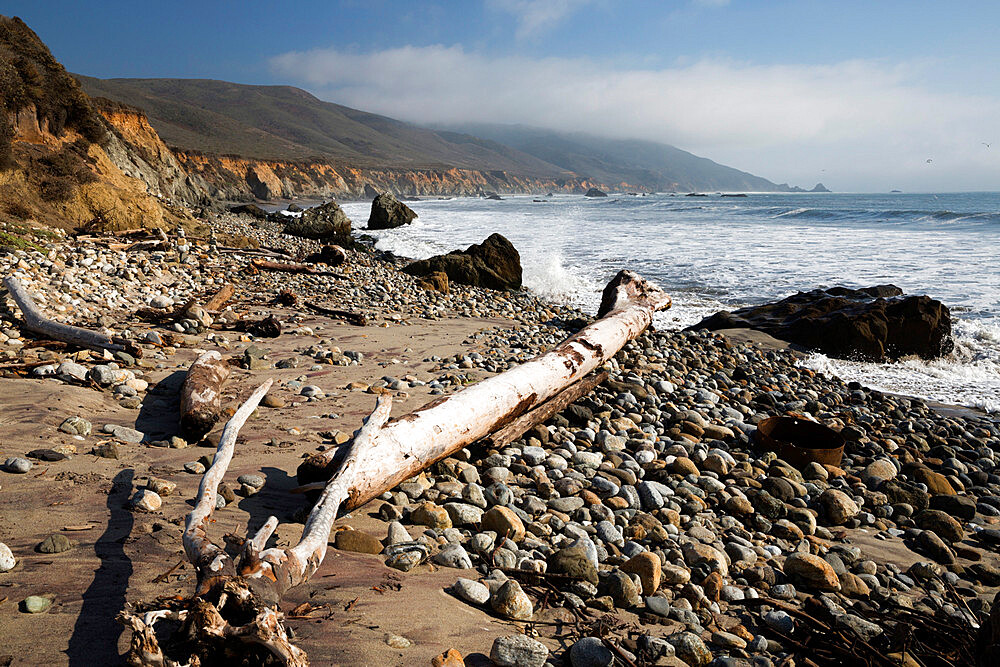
column 945, row 526
column 647, row 566
column 106, row 450
column 453, row 555
column 512, row 602
column 866, row 630
column 811, row 570
column 503, row 522
column 256, row 481
column 463, row 514
column 357, row 541
column 17, row 465
column 590, row 652
column 728, row 640
column 779, row 620
column 470, row 591
column 35, row 604
column 273, row 401
column 7, row 560
column 518, row 651
column 406, row 555
column 161, row 487
column 194, row 467
column 690, row 648
column 146, row 501
column 575, row 562
column 76, row 426
column 124, row 433
column 397, row 641
column 450, row 658
column 430, row 515
column 621, row 588
column 54, row 544
column 838, row 506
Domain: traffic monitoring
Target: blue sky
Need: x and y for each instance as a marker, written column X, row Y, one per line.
column 856, row 94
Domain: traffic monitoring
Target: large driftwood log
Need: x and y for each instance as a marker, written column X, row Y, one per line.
column 411, row 443
column 235, row 611
column 201, row 394
column 37, row 323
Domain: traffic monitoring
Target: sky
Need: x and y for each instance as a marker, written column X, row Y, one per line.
column 861, row 95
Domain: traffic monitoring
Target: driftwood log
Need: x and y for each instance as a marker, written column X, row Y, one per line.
column 357, row 319
column 416, row 441
column 37, row 323
column 201, row 395
column 234, row 614
column 289, row 267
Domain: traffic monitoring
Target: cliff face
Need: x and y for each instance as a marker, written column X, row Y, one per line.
column 237, row 178
column 61, row 163
column 138, row 151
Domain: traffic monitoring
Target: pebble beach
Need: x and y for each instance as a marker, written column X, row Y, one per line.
column 643, row 525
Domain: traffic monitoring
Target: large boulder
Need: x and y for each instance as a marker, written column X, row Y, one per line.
column 494, row 263
column 873, row 324
column 388, row 212
column 326, row 222
column 594, row 192
column 250, row 209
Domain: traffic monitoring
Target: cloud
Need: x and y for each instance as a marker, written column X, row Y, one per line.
column 537, row 16
column 855, row 125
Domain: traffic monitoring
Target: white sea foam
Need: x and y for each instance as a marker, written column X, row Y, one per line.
column 728, row 253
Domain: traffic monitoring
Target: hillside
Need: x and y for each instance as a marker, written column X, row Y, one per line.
column 61, row 162
column 289, row 124
column 653, row 165
column 282, row 123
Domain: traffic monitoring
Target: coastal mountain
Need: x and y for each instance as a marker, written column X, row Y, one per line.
column 287, row 125
column 650, row 165
column 121, row 153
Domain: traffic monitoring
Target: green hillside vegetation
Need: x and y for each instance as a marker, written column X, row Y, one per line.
column 286, row 123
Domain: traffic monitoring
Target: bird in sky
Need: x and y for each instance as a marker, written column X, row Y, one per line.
column 985, row 144
column 929, row 160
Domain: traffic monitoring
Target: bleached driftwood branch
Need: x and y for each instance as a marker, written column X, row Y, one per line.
column 36, row 322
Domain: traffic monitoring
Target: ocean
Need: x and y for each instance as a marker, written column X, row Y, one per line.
column 711, row 253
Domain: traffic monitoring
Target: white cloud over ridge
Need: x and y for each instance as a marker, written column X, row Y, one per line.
column 856, row 125
column 536, row 16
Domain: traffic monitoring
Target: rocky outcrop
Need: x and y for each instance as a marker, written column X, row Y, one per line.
column 388, row 213
column 594, row 192
column 874, row 324
column 326, row 222
column 494, row 263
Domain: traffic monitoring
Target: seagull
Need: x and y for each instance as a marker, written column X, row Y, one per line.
column 929, row 160
column 985, row 144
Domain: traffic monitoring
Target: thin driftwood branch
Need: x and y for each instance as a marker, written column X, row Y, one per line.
column 288, row 267
column 357, row 319
column 201, row 394
column 220, row 298
column 36, row 322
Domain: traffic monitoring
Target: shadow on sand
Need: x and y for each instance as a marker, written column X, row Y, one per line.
column 95, row 635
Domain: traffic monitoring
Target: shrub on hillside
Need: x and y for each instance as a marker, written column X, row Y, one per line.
column 56, row 188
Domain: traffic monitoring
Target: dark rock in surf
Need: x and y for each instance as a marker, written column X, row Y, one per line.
column 875, row 323
column 594, row 192
column 388, row 213
column 326, row 222
column 250, row 209
column 494, row 263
